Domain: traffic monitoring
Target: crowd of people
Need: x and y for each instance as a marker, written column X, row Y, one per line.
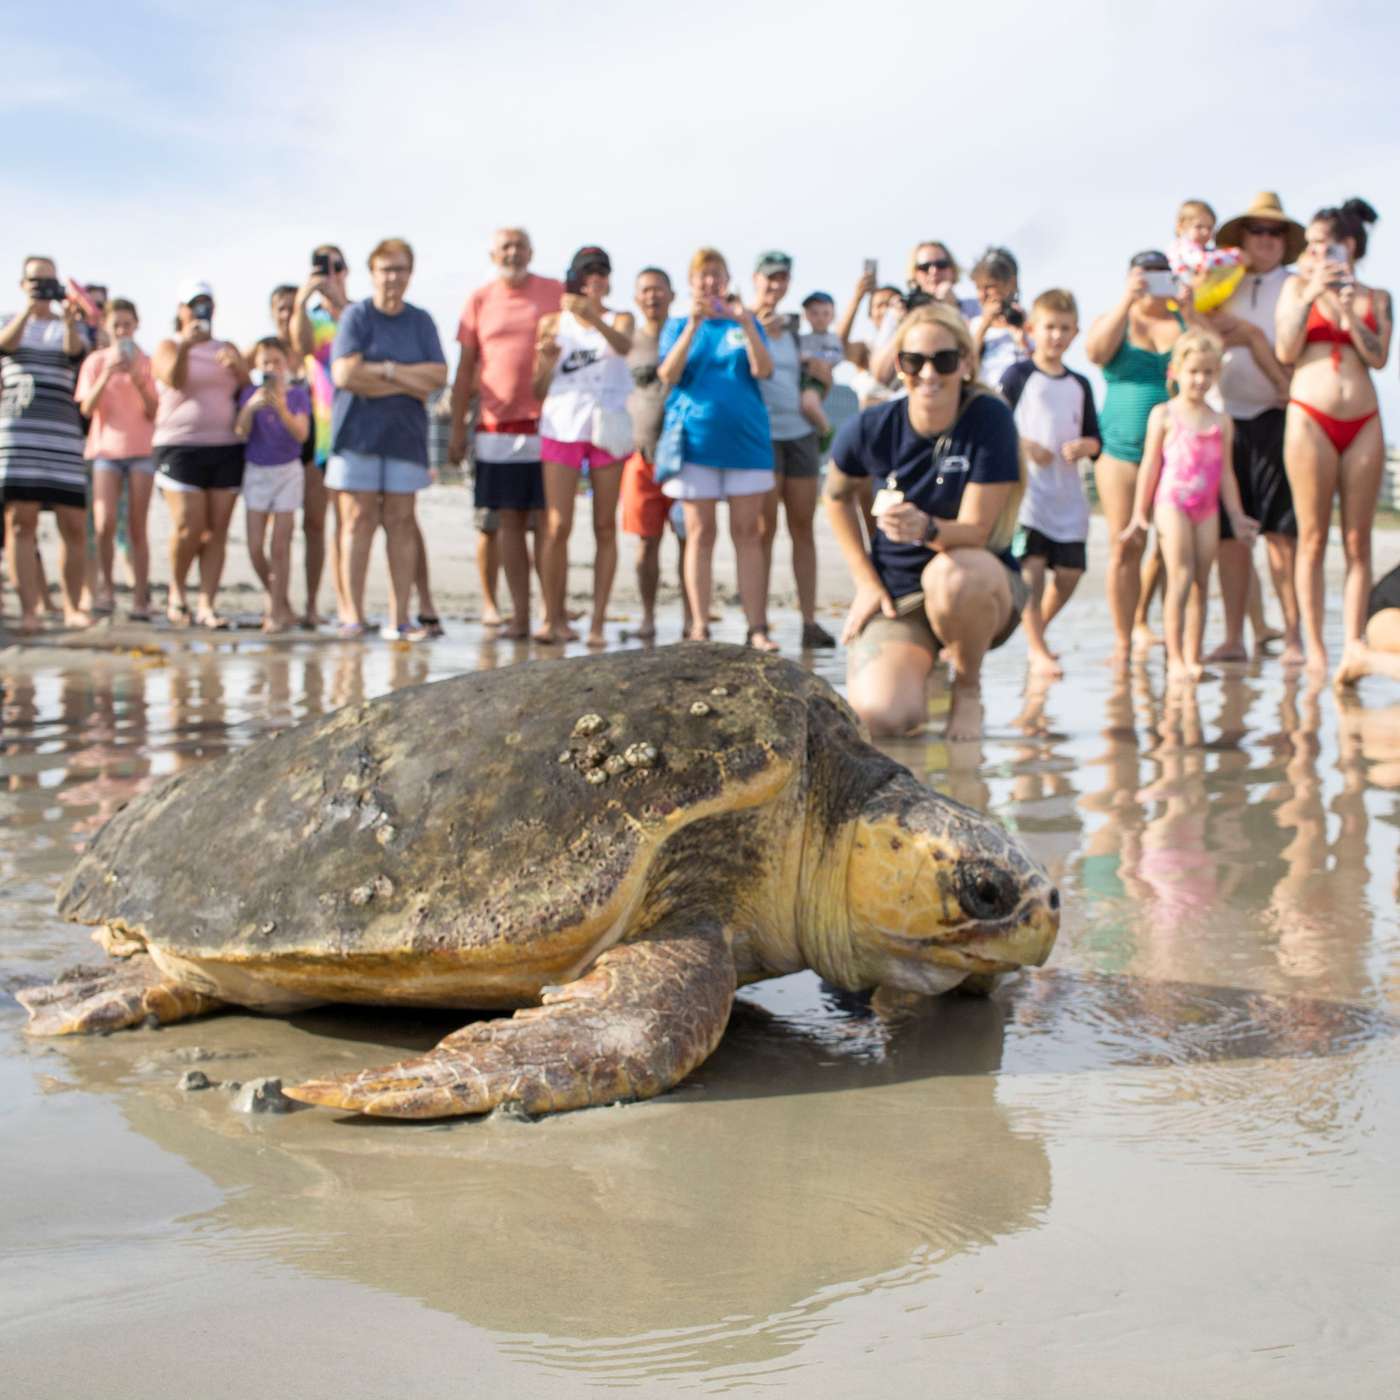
column 1239, row 401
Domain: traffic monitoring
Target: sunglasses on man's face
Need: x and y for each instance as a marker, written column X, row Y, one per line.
column 912, row 363
column 1265, row 230
column 934, row 265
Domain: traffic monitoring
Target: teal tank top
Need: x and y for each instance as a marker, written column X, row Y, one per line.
column 1137, row 383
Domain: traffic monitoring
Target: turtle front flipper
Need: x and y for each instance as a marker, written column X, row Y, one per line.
column 642, row 1018
column 86, row 1000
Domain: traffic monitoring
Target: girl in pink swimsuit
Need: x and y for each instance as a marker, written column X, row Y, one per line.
column 1182, row 483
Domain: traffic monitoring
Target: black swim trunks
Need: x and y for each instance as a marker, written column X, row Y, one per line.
column 1264, row 490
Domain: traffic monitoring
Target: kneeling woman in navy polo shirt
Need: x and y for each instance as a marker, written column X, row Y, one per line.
column 940, row 575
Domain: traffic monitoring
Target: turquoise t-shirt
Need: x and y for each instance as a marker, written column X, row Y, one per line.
column 725, row 422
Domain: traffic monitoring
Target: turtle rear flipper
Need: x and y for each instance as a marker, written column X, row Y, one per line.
column 642, row 1018
column 88, row 1000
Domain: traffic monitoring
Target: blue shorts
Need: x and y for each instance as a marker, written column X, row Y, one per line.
column 366, row 471
column 124, row 466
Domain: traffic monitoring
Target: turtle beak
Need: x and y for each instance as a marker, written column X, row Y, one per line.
column 1027, row 938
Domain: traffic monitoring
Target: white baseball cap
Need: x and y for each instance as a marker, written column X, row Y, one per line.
column 192, row 290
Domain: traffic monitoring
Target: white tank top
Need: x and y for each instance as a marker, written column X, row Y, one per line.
column 588, row 375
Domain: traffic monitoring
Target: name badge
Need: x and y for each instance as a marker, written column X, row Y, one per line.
column 736, row 338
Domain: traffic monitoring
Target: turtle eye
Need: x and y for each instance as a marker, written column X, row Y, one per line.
column 985, row 891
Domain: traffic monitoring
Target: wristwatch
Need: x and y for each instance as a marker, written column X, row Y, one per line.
column 930, row 531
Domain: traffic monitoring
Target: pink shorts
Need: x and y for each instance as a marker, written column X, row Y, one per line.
column 576, row 454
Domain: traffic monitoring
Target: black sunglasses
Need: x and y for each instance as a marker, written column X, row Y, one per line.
column 1265, row 230
column 934, row 265
column 912, row 363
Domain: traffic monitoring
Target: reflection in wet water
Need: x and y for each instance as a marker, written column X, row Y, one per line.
column 1221, row 1004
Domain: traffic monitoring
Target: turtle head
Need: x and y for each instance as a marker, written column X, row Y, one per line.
column 937, row 891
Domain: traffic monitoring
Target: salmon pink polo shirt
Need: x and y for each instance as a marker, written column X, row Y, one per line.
column 120, row 427
column 499, row 323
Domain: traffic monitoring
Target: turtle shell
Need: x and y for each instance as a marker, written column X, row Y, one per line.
column 509, row 816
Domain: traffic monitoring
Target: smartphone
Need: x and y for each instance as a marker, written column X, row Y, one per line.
column 1337, row 253
column 256, row 378
column 872, row 269
column 321, row 264
column 1161, row 284
column 126, row 348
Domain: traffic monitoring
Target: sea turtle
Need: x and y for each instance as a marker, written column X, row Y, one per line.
column 612, row 844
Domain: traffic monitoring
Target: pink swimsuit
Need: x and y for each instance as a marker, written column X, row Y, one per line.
column 1191, row 464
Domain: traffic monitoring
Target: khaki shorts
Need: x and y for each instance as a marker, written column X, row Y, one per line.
column 911, row 625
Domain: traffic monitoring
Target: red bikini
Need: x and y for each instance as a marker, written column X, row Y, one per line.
column 1341, row 432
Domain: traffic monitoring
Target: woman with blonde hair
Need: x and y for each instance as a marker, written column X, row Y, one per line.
column 715, row 443
column 940, row 575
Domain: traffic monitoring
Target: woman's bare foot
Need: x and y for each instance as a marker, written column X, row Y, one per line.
column 597, row 641
column 647, row 631
column 1356, row 662
column 177, row 613
column 697, row 634
column 105, row 602
column 490, row 617
column 1046, row 664
column 1316, row 663
column 77, row 617
column 1120, row 658
column 759, row 640
column 1144, row 638
column 965, row 712
column 1265, row 635
column 1292, row 653
column 1228, row 653
column 1179, row 673
column 29, row 624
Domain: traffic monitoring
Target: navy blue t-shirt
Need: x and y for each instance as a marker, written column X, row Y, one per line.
column 982, row 446
column 396, row 426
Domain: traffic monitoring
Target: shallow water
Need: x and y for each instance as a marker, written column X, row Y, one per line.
column 1166, row 1161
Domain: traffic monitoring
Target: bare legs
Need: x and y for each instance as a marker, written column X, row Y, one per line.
column 607, row 487
column 402, row 544
column 745, row 524
column 515, row 564
column 488, row 568
column 1188, row 550
column 201, row 520
column 1240, row 595
column 697, row 566
column 1117, row 481
column 967, row 599
column 315, row 502
column 560, row 494
column 274, row 572
column 106, row 498
column 1316, row 474
column 798, row 495
column 1045, row 600
column 359, row 519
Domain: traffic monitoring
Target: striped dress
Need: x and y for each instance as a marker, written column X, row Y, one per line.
column 41, row 432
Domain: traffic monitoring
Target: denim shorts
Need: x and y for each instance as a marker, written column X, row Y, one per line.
column 367, row 471
column 125, row 466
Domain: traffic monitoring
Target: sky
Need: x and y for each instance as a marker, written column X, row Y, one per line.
column 153, row 141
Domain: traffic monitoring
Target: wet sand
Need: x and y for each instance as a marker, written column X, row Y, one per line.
column 1164, row 1164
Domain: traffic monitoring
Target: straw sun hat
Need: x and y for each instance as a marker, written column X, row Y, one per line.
column 1266, row 209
